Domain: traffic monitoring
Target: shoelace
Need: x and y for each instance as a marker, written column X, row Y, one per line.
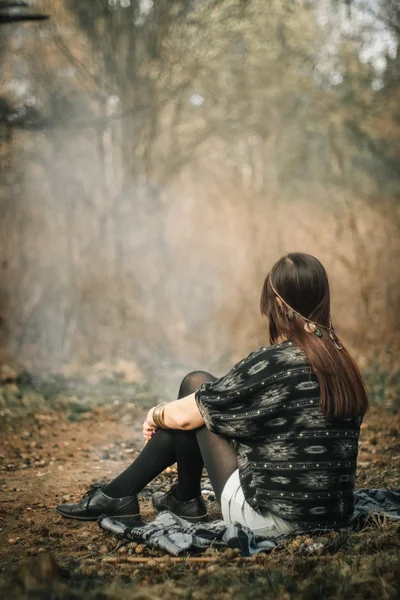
column 90, row 493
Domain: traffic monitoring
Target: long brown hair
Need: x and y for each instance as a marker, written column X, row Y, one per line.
column 302, row 283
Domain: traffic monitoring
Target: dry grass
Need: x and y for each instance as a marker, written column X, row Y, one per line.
column 47, row 456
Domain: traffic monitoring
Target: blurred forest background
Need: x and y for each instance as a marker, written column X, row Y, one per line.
column 158, row 157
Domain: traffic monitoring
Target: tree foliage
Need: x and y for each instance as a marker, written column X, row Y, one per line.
column 139, row 138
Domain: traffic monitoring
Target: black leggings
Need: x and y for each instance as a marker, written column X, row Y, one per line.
column 190, row 449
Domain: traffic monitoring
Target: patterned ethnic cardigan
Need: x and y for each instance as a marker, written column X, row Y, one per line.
column 293, row 461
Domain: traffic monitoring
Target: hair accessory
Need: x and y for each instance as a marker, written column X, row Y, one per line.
column 311, row 326
column 332, row 336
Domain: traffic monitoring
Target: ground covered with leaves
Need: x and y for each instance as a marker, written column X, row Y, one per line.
column 53, row 445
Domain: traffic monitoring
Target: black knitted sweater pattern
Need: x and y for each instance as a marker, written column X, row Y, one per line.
column 293, row 461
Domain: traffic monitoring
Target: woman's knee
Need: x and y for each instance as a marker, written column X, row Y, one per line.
column 193, row 381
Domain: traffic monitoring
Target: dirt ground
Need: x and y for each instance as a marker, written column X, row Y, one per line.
column 49, row 457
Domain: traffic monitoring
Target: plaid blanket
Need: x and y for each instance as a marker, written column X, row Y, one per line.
column 177, row 536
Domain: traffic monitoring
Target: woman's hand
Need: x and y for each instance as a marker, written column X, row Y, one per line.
column 149, row 427
column 149, row 418
column 149, row 430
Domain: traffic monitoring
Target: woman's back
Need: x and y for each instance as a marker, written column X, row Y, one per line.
column 293, row 461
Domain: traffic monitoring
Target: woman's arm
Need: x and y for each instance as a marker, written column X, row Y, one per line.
column 180, row 414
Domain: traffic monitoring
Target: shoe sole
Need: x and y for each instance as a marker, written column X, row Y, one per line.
column 66, row 516
column 190, row 519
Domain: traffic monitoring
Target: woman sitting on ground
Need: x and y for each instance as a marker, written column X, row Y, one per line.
column 278, row 434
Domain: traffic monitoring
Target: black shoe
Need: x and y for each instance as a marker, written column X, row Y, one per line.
column 191, row 510
column 95, row 503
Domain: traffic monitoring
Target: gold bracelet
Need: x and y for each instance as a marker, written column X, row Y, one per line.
column 161, row 418
column 158, row 416
column 159, row 412
column 155, row 416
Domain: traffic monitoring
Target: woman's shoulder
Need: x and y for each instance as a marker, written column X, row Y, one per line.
column 269, row 360
column 259, row 368
column 286, row 353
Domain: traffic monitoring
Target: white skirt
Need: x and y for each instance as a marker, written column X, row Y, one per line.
column 235, row 509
